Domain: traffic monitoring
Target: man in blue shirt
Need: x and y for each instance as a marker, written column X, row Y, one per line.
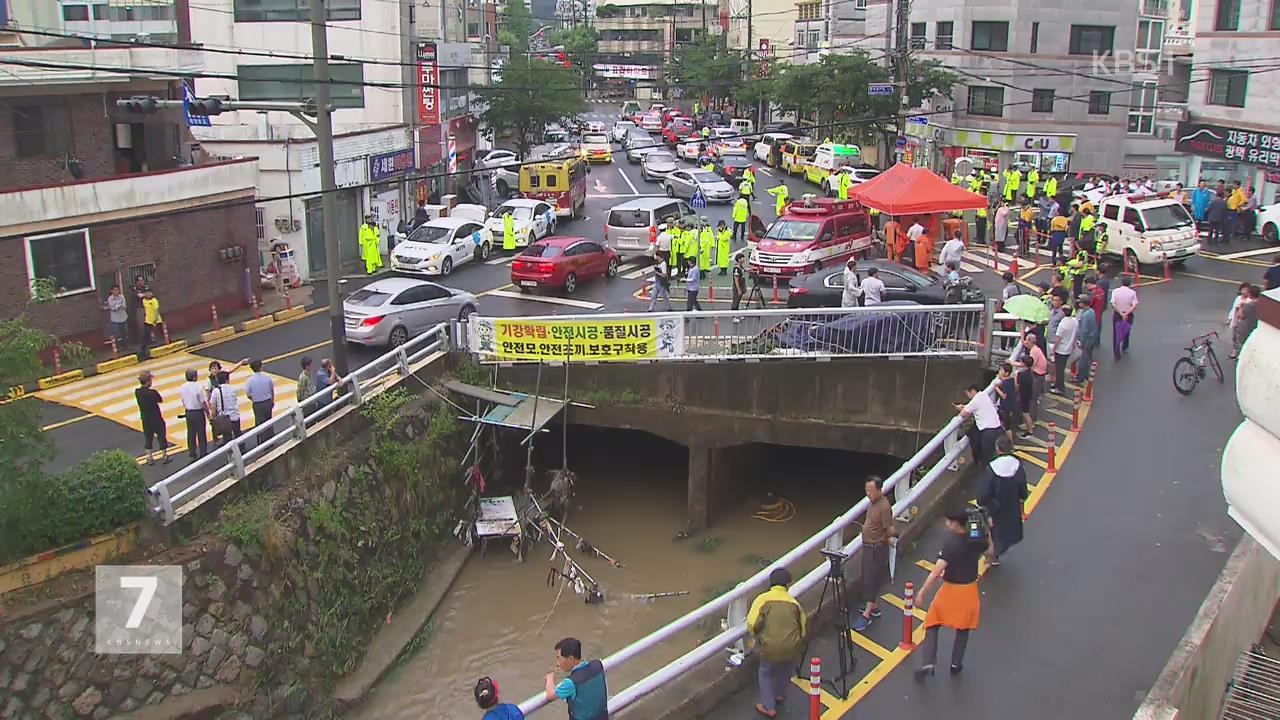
column 584, row 690
column 487, row 698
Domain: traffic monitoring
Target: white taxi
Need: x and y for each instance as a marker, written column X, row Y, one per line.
column 1150, row 229
column 597, row 148
column 690, row 151
column 437, row 246
column 532, row 219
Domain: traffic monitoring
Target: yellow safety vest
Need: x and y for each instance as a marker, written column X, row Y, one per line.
column 982, row 212
column 740, row 211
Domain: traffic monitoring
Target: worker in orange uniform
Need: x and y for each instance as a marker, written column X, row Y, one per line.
column 901, row 241
column 924, row 252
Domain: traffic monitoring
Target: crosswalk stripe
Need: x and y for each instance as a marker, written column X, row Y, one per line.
column 547, row 299
column 124, row 378
column 500, row 261
column 635, row 274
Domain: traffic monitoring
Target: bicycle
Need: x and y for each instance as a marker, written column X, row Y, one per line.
column 1189, row 370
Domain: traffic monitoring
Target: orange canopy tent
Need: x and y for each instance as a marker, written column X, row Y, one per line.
column 906, row 190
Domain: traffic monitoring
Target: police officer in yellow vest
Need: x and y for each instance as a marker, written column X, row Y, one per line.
column 1051, row 187
column 690, row 242
column 508, row 232
column 724, row 239
column 975, row 183
column 676, row 229
column 955, row 177
column 1076, row 268
column 370, row 245
column 1008, row 188
column 706, row 245
column 1016, row 176
column 844, row 182
column 1033, row 181
column 980, row 225
column 749, row 177
column 741, row 213
column 708, row 165
column 1087, row 224
column 781, row 193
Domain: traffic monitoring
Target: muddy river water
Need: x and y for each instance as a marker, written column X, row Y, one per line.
column 501, row 618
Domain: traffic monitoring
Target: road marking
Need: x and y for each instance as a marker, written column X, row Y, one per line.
column 600, row 188
column 246, row 333
column 299, row 351
column 1246, row 253
column 765, row 172
column 500, row 261
column 1202, row 277
column 1033, row 460
column 546, row 299
column 64, row 423
column 870, row 645
column 630, row 184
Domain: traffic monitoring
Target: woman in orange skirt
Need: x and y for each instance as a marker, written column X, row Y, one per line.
column 956, row 605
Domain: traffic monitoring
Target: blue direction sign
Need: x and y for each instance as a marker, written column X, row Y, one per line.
column 902, row 142
column 918, row 120
column 698, row 200
column 880, row 89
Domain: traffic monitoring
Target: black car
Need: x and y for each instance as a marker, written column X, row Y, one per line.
column 730, row 167
column 825, row 287
column 778, row 127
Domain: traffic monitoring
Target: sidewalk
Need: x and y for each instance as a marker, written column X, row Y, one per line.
column 1081, row 616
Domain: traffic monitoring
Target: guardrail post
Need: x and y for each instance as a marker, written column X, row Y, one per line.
column 948, row 444
column 737, row 613
column 237, row 460
column 402, row 361
column 900, row 492
column 357, row 394
column 299, row 424
column 988, row 331
column 166, row 504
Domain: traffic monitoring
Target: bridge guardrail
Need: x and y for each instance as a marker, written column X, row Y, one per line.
column 233, row 459
column 950, row 441
column 875, row 331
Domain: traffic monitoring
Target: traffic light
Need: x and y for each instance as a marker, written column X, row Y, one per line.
column 205, row 106
column 140, row 104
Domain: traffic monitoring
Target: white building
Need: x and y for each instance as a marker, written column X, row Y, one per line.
column 1162, row 63
column 1233, row 131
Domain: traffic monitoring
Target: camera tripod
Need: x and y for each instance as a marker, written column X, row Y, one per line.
column 754, row 295
column 834, row 584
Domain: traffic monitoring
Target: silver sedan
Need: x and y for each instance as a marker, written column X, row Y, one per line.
column 392, row 310
column 657, row 165
column 685, row 183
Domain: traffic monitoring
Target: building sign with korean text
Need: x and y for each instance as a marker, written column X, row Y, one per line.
column 428, row 79
column 630, row 72
column 577, row 340
column 387, row 165
column 1215, row 141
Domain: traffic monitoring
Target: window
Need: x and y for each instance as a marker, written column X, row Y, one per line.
column 1150, row 42
column 986, row 100
column 293, row 83
column 1227, row 16
column 1142, row 109
column 260, row 223
column 945, row 31
column 1275, row 15
column 992, row 36
column 1227, row 87
column 75, row 12
column 800, row 39
column 1099, row 102
column 473, row 30
column 64, row 257
column 815, row 38
column 808, row 11
column 1042, row 100
column 101, row 12
column 1111, row 212
column 1092, row 39
column 1131, row 218
column 1035, row 37
column 41, row 130
column 918, row 32
column 128, row 13
column 292, row 10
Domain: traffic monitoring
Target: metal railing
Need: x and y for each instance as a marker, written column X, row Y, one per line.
column 735, row 603
column 875, row 331
column 1000, row 343
column 233, row 460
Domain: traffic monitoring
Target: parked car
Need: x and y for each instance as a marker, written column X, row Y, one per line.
column 657, row 165
column 1269, row 223
column 871, row 333
column 619, row 131
column 730, row 167
column 437, row 246
column 562, row 262
column 825, row 287
column 533, row 219
column 767, row 147
column 859, row 175
column 392, row 310
column 506, row 167
column 594, row 128
column 684, row 183
column 632, row 227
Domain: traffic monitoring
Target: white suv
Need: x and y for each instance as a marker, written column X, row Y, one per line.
column 1148, row 228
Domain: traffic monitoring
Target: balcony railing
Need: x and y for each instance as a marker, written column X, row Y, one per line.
column 25, row 210
column 80, row 66
column 1155, row 8
column 1171, row 112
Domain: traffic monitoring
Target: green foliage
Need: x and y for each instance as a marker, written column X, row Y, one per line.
column 530, row 95
column 245, row 519
column 327, row 518
column 608, row 11
column 517, row 24
column 706, row 69
column 39, row 512
column 473, row 373
column 580, row 44
column 709, row 544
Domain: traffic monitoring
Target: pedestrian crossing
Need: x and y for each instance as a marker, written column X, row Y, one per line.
column 110, row 395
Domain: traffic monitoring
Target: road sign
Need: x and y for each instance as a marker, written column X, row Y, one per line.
column 919, row 120
column 880, row 89
column 698, row 200
column 902, row 142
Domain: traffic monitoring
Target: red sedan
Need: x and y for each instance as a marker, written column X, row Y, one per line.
column 562, row 262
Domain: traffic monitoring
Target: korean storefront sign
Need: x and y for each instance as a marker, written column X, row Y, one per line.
column 386, row 165
column 1215, row 141
column 577, row 340
column 428, row 79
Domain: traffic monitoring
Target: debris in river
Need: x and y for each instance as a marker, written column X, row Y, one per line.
column 646, row 597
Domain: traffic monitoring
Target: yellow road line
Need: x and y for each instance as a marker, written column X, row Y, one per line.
column 1028, row 448
column 870, row 645
column 928, row 566
column 1033, row 460
column 1060, row 413
column 897, row 602
column 299, row 351
column 873, row 678
column 1210, row 277
column 824, row 697
column 64, row 423
column 1239, row 261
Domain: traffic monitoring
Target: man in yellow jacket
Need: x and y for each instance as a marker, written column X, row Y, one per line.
column 782, row 194
column 706, row 244
column 152, row 323
column 1033, row 181
column 1051, row 187
column 844, row 182
column 779, row 625
column 723, row 241
column 749, row 177
column 370, row 245
column 690, row 241
column 508, row 232
column 741, row 214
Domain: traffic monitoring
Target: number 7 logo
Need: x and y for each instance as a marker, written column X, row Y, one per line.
column 148, row 587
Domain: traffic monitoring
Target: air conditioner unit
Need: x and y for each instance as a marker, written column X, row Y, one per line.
column 1164, row 132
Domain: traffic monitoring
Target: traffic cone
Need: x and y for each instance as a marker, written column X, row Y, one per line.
column 1013, row 266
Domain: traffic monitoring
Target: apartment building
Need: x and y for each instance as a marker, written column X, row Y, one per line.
column 772, row 24
column 1041, row 85
column 1162, row 64
column 92, row 195
column 1232, row 131
column 637, row 37
column 402, row 118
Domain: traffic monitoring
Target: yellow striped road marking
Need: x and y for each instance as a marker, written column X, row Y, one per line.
column 299, row 351
column 926, row 565
column 1028, row 448
column 1033, row 460
column 64, row 423
column 824, row 697
column 870, row 645
column 1060, row 413
column 1209, row 277
column 897, row 602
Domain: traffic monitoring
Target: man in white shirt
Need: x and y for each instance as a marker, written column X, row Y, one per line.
column 1064, row 344
column 1124, row 301
column 852, row 285
column 986, row 423
column 195, row 409
column 915, row 231
column 261, row 392
column 952, row 251
column 872, row 288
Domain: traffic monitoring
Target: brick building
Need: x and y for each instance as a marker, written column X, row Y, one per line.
column 93, row 196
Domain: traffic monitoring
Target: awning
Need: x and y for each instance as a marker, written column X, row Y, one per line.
column 906, row 190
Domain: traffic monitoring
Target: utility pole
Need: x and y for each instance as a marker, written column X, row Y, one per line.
column 323, row 128
column 752, row 68
column 903, row 58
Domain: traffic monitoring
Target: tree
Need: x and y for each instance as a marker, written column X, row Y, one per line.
column 517, row 25
column 708, row 71
column 531, row 95
column 579, row 44
column 23, row 447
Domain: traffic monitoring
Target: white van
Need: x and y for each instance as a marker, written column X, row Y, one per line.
column 767, row 143
column 1148, row 228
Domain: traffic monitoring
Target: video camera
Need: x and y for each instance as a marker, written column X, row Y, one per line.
column 976, row 525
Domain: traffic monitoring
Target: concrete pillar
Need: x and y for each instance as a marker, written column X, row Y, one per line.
column 701, row 462
column 715, row 476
